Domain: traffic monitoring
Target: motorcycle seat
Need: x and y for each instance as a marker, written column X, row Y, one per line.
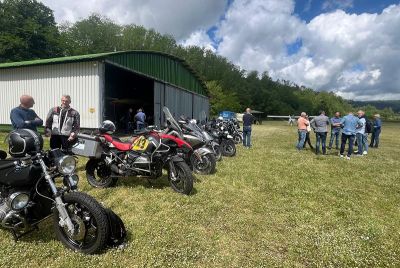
column 122, row 146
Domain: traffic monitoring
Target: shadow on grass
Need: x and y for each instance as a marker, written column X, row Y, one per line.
column 159, row 183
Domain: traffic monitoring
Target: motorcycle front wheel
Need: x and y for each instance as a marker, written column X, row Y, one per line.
column 183, row 181
column 98, row 174
column 90, row 221
column 228, row 148
column 205, row 165
column 237, row 138
column 217, row 151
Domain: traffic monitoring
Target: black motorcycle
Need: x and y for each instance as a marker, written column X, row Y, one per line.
column 221, row 135
column 29, row 195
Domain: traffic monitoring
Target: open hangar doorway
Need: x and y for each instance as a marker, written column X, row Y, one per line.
column 124, row 89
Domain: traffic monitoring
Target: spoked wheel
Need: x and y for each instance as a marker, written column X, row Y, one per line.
column 98, row 174
column 205, row 165
column 90, row 222
column 228, row 148
column 237, row 138
column 183, row 180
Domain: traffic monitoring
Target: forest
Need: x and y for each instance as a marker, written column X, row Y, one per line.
column 28, row 31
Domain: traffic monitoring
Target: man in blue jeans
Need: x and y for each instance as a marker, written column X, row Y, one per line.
column 320, row 125
column 248, row 120
column 140, row 118
column 350, row 124
column 376, row 131
column 335, row 130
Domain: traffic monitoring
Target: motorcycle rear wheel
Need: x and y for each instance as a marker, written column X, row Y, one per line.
column 184, row 178
column 90, row 219
column 204, row 166
column 228, row 148
column 98, row 174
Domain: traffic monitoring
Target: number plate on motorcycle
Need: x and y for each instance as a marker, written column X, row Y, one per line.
column 140, row 144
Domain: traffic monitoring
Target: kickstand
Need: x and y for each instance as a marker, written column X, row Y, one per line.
column 17, row 236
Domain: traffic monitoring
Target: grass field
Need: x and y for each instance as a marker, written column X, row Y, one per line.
column 268, row 206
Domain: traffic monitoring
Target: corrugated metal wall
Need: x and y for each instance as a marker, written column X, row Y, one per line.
column 201, row 107
column 179, row 102
column 47, row 83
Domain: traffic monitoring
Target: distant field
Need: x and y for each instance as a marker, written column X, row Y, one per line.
column 268, row 206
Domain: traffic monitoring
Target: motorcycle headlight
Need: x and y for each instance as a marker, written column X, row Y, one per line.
column 66, row 165
column 18, row 200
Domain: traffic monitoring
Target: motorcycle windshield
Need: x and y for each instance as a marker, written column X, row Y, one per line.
column 195, row 129
column 171, row 120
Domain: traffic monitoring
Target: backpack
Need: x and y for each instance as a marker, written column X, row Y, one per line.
column 368, row 126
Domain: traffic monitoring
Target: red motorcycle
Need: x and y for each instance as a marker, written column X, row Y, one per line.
column 146, row 156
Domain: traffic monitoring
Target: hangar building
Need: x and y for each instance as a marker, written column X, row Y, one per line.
column 104, row 86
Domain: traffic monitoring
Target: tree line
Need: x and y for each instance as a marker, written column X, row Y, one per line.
column 28, row 31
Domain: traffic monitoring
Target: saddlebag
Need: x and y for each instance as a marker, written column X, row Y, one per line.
column 87, row 146
column 117, row 236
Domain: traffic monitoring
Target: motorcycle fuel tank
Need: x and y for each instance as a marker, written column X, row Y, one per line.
column 193, row 140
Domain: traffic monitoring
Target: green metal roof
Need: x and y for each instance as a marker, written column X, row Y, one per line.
column 158, row 65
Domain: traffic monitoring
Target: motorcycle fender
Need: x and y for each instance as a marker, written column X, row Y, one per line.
column 203, row 151
column 229, row 136
column 177, row 158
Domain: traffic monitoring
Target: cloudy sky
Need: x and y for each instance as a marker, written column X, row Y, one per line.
column 351, row 47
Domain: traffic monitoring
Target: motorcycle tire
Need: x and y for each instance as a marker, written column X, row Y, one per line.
column 206, row 166
column 184, row 182
column 98, row 174
column 237, row 139
column 91, row 220
column 228, row 148
column 218, row 153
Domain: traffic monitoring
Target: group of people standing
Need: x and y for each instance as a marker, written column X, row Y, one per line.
column 350, row 129
column 62, row 122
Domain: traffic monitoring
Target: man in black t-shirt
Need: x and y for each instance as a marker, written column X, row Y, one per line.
column 248, row 120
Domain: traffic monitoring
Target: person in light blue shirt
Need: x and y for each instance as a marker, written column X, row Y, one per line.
column 349, row 123
column 335, row 130
column 361, row 135
column 376, row 132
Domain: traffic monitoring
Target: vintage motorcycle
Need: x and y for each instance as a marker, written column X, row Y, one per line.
column 29, row 194
column 146, row 156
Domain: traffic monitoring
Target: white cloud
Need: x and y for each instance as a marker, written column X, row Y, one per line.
column 255, row 34
column 199, row 38
column 176, row 17
column 356, row 56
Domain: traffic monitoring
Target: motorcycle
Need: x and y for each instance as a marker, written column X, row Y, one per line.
column 221, row 135
column 146, row 156
column 234, row 130
column 202, row 160
column 29, row 195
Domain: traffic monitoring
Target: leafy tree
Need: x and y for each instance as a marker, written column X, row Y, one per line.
column 27, row 31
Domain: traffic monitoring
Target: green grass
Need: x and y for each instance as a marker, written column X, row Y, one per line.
column 268, row 206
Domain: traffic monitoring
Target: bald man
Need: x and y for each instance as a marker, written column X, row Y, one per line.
column 23, row 116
